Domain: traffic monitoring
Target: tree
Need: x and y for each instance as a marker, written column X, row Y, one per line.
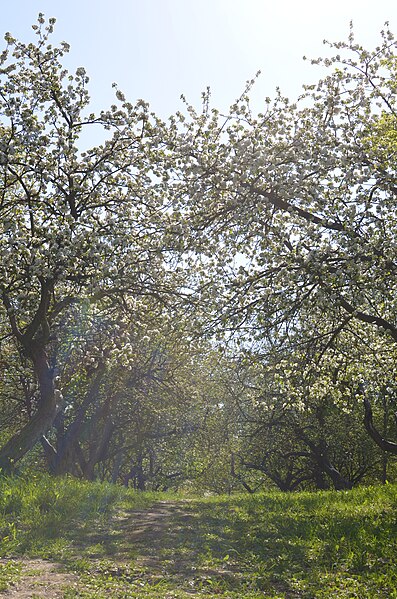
column 76, row 226
column 300, row 418
column 298, row 203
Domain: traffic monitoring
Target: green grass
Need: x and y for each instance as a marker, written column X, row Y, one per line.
column 276, row 546
column 41, row 516
column 9, row 573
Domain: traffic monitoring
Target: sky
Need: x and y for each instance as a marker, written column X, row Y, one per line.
column 160, row 49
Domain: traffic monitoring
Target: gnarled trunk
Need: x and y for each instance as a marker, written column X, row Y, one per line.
column 64, row 458
column 319, row 452
column 388, row 446
column 42, row 420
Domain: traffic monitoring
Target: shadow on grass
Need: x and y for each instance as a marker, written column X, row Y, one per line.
column 318, row 545
column 289, row 545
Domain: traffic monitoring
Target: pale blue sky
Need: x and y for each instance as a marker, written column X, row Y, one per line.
column 158, row 49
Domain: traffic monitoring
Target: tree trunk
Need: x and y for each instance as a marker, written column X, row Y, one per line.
column 99, row 451
column 140, row 476
column 64, row 460
column 319, row 452
column 38, row 425
column 321, row 455
column 118, row 460
column 319, row 478
column 384, row 444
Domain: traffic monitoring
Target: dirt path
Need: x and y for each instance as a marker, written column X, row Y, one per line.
column 39, row 579
column 167, row 542
column 137, row 536
column 142, row 546
column 149, row 533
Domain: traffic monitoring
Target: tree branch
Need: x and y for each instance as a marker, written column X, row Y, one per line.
column 384, row 444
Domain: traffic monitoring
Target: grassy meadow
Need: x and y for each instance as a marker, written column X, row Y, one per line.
column 119, row 543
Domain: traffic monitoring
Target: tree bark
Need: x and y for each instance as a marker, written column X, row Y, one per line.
column 384, row 444
column 319, row 452
column 98, row 452
column 340, row 482
column 64, row 459
column 38, row 425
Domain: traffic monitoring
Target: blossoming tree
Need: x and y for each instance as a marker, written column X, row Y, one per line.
column 299, row 205
column 75, row 225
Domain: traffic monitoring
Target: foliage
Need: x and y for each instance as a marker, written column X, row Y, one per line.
column 76, row 226
column 293, row 216
column 206, row 302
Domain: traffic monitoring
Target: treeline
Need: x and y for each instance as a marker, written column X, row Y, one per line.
column 207, row 302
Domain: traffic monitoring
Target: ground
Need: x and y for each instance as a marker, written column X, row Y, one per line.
column 40, row 578
column 324, row 545
column 145, row 549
